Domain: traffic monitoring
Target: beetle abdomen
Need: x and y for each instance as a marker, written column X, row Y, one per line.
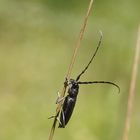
column 67, row 110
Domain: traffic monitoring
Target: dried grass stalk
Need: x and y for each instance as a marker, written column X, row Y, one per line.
column 132, row 89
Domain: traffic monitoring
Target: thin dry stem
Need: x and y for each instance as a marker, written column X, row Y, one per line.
column 132, row 89
column 78, row 44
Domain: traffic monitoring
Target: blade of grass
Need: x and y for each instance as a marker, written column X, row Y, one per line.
column 78, row 44
column 132, row 89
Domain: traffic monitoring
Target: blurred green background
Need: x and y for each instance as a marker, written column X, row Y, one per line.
column 35, row 37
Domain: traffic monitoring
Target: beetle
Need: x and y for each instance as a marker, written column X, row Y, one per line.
column 73, row 88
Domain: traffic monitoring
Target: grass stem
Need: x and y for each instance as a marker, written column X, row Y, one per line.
column 132, row 89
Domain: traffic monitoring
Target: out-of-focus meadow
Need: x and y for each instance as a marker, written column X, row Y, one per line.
column 37, row 39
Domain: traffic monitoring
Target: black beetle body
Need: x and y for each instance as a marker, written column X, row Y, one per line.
column 69, row 103
column 73, row 89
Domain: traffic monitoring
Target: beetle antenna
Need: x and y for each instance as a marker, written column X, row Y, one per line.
column 99, row 43
column 103, row 82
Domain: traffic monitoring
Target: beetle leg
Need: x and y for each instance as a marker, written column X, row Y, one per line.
column 56, row 118
column 63, row 118
column 59, row 99
column 59, row 121
column 62, row 124
column 51, row 117
column 66, row 82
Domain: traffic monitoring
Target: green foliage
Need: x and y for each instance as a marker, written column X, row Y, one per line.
column 35, row 37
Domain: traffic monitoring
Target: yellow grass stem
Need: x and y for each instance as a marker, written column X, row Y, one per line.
column 132, row 89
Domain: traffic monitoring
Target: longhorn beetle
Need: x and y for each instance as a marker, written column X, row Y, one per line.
column 73, row 89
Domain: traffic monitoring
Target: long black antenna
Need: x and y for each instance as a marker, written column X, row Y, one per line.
column 103, row 82
column 99, row 43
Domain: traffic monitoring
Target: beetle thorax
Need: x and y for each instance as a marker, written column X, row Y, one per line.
column 73, row 88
